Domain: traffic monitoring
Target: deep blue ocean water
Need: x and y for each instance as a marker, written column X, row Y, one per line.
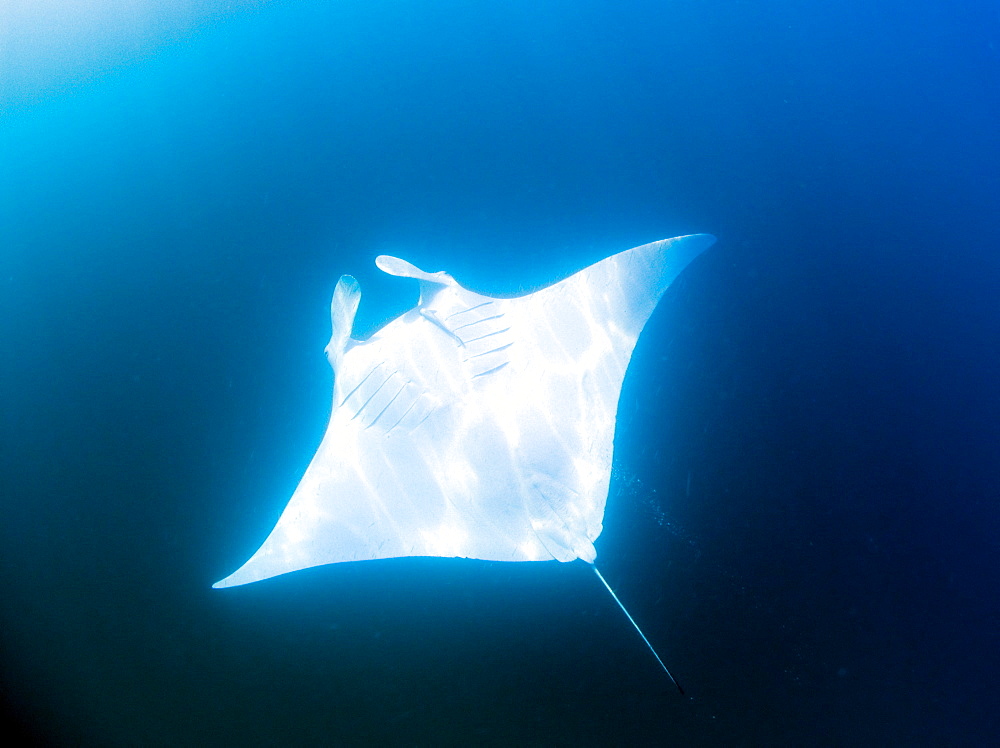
column 804, row 512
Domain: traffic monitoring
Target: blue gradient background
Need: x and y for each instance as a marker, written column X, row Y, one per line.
column 804, row 514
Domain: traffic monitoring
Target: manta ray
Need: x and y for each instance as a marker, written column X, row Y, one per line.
column 473, row 426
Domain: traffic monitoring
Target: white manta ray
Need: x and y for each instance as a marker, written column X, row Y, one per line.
column 473, row 426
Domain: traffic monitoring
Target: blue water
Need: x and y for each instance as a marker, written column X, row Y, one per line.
column 804, row 513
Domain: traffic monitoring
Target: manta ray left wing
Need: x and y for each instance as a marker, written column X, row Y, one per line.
column 472, row 426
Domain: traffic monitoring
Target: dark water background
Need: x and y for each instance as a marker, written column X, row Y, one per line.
column 804, row 515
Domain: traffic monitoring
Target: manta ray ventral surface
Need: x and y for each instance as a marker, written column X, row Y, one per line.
column 472, row 426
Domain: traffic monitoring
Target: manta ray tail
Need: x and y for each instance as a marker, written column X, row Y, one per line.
column 632, row 620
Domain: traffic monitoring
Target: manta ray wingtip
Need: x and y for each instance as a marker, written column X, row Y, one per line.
column 697, row 242
column 226, row 582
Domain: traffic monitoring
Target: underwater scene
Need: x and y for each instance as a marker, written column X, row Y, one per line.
column 776, row 438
